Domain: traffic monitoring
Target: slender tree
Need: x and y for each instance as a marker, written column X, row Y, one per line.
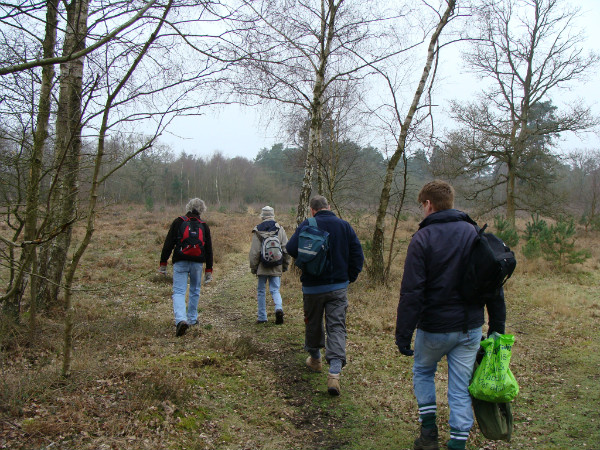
column 405, row 121
column 93, row 196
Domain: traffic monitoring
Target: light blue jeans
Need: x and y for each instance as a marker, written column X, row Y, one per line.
column 460, row 350
column 261, row 294
column 182, row 270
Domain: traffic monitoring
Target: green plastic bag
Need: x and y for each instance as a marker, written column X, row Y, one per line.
column 493, row 381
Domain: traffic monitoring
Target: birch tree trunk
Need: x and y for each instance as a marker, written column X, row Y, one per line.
column 376, row 268
column 327, row 34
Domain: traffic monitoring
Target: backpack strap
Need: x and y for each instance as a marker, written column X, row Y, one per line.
column 480, row 231
column 313, row 222
column 187, row 219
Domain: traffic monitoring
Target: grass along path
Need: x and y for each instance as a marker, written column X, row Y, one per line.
column 232, row 384
column 227, row 384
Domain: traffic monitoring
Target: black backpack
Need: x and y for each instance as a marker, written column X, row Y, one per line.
column 190, row 240
column 490, row 264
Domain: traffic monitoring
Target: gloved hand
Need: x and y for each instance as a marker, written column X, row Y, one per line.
column 208, row 277
column 162, row 270
column 493, row 329
column 406, row 350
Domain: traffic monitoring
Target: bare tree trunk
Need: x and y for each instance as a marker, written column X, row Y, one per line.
column 510, row 194
column 91, row 214
column 30, row 231
column 306, row 188
column 39, row 141
column 397, row 214
column 376, row 268
column 63, row 203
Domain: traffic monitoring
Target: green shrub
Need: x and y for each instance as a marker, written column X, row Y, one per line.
column 558, row 244
column 532, row 248
column 589, row 220
column 506, row 231
column 535, row 228
column 149, row 204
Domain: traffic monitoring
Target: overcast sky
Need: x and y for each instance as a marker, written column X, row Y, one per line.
column 238, row 131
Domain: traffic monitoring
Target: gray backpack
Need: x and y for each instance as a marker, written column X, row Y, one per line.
column 271, row 253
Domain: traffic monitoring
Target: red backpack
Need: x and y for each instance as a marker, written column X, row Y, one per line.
column 190, row 240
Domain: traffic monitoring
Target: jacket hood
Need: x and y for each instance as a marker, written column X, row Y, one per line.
column 266, row 228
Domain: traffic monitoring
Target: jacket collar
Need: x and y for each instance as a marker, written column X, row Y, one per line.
column 324, row 212
column 446, row 216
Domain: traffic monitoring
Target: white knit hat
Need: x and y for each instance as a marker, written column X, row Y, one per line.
column 267, row 212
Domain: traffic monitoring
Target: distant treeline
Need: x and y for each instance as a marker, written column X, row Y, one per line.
column 350, row 176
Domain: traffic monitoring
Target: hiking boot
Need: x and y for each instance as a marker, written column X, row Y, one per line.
column 314, row 364
column 333, row 383
column 428, row 440
column 181, row 328
column 278, row 317
column 261, row 321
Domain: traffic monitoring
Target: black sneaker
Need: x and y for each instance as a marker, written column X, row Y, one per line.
column 278, row 317
column 259, row 322
column 428, row 440
column 181, row 328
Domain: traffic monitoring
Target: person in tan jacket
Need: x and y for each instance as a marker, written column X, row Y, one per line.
column 268, row 260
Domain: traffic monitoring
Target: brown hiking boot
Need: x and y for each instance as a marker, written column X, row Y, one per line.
column 428, row 440
column 333, row 383
column 314, row 364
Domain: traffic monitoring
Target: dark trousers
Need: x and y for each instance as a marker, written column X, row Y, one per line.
column 333, row 305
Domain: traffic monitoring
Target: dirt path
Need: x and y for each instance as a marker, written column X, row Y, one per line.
column 280, row 347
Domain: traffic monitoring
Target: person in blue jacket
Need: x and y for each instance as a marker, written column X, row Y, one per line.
column 328, row 293
column 445, row 324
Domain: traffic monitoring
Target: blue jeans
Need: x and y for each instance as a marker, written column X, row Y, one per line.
column 261, row 294
column 460, row 350
column 181, row 271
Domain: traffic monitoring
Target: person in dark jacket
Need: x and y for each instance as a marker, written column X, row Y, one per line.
column 328, row 293
column 446, row 325
column 187, row 265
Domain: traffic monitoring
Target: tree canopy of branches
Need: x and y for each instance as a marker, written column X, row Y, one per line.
column 525, row 50
column 101, row 90
column 305, row 57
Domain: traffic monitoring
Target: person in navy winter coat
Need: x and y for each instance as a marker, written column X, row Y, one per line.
column 445, row 325
column 328, row 293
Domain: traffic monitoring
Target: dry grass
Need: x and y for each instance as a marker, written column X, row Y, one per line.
column 230, row 384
